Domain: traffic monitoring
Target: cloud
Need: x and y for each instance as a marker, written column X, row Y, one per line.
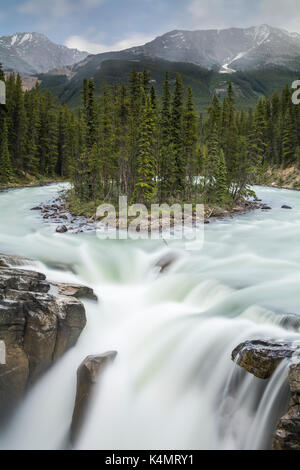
column 49, row 12
column 243, row 13
column 281, row 13
column 93, row 47
column 57, row 8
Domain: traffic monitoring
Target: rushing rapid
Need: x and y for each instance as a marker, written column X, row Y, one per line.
column 173, row 384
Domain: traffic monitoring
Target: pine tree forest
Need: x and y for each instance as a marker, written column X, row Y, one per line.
column 127, row 140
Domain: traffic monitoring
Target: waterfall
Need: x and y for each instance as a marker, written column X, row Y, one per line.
column 173, row 384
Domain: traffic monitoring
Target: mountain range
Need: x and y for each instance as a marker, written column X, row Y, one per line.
column 258, row 60
column 32, row 53
column 228, row 49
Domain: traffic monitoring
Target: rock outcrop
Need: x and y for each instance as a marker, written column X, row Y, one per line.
column 88, row 376
column 261, row 358
column 36, row 326
column 287, row 434
column 74, row 290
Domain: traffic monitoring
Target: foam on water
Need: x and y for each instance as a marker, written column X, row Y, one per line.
column 173, row 384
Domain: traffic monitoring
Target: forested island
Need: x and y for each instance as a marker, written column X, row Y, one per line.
column 129, row 141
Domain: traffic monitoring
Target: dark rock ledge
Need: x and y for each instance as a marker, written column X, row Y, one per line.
column 37, row 326
column 261, row 358
column 89, row 374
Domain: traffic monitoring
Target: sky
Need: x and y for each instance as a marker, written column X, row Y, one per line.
column 105, row 25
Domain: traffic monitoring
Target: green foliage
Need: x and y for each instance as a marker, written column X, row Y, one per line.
column 41, row 134
column 146, row 141
column 5, row 166
column 145, row 188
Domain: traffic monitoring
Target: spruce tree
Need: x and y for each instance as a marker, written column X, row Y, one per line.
column 146, row 187
column 289, row 140
column 189, row 139
column 177, row 137
column 5, row 165
column 166, row 161
column 220, row 175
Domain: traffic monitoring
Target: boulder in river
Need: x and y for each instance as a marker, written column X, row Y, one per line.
column 286, row 207
column 166, row 261
column 261, row 358
column 88, row 376
column 61, row 229
column 7, row 261
column 74, row 290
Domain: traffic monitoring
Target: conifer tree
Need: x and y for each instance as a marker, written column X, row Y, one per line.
column 289, row 140
column 177, row 137
column 189, row 138
column 220, row 174
column 91, row 114
column 166, row 162
column 5, row 165
column 145, row 188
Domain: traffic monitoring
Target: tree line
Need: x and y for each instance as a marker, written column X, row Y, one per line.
column 130, row 141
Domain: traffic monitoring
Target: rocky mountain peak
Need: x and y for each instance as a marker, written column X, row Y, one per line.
column 33, row 53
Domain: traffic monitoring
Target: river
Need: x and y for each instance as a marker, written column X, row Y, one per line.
column 173, row 384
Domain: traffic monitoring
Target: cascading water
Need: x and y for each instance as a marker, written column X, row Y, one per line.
column 173, row 384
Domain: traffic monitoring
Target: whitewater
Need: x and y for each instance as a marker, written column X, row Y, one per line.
column 173, row 384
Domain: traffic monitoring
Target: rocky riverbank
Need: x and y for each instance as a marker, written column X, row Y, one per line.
column 261, row 358
column 39, row 322
column 61, row 213
column 282, row 178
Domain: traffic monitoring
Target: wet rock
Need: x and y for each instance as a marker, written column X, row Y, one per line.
column 166, row 261
column 22, row 280
column 13, row 378
column 40, row 334
column 37, row 208
column 266, row 208
column 286, row 207
column 291, row 321
column 7, row 261
column 294, row 378
column 71, row 321
column 75, row 290
column 287, row 434
column 37, row 329
column 261, row 358
column 88, row 376
column 62, row 229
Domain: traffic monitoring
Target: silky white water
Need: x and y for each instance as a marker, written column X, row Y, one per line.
column 173, row 384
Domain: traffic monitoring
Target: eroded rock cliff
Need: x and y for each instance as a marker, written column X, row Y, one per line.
column 36, row 326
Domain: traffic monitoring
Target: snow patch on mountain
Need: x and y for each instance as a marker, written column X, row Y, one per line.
column 226, row 69
column 31, row 53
